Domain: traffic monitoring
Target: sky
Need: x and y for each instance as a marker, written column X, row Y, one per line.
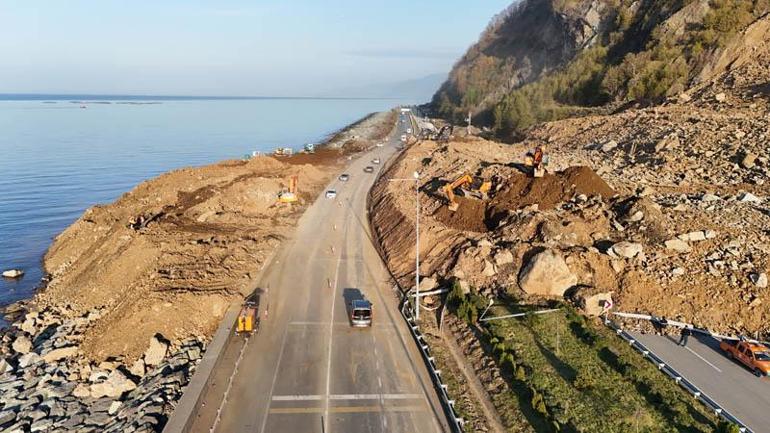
column 231, row 48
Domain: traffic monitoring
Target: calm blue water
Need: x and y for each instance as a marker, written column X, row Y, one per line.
column 57, row 159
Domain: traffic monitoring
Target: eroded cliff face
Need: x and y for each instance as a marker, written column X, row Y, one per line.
column 532, row 38
column 545, row 60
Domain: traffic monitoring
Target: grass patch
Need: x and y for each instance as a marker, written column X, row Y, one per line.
column 568, row 374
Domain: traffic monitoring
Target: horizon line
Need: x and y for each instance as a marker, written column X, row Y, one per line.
column 104, row 96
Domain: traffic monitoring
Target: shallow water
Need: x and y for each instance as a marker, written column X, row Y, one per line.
column 57, row 159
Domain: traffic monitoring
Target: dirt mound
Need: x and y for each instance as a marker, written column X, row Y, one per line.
column 470, row 216
column 520, row 191
column 550, row 190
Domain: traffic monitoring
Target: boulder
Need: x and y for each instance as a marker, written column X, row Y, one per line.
column 61, row 353
column 592, row 300
column 503, row 257
column 720, row 97
column 699, row 235
column 759, row 279
column 748, row 197
column 81, row 391
column 427, row 283
column 489, row 269
column 625, row 249
column 137, row 368
column 28, row 326
column 116, row 384
column 114, row 407
column 157, row 350
column 546, row 274
column 748, row 160
column 608, row 146
column 6, row 417
column 28, row 359
column 22, row 344
column 13, row 273
column 5, row 367
column 710, row 197
column 678, row 245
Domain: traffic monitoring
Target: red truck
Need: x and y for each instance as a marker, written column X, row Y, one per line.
column 751, row 354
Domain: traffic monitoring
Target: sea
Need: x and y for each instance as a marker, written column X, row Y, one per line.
column 61, row 154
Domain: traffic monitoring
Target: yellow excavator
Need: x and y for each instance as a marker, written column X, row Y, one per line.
column 289, row 195
column 537, row 160
column 476, row 187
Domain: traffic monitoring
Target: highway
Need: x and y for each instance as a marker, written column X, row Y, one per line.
column 308, row 370
column 731, row 385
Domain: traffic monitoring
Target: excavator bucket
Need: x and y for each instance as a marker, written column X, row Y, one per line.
column 538, row 171
column 454, row 206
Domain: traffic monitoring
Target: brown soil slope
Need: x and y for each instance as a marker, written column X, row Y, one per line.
column 170, row 256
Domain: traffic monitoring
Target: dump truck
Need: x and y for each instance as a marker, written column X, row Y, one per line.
column 248, row 319
column 752, row 354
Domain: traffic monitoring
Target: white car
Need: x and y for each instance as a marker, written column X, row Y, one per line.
column 376, row 161
column 403, row 138
column 380, row 144
column 344, row 177
column 408, row 130
column 331, row 193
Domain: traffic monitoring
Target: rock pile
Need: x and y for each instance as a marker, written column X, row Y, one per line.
column 47, row 385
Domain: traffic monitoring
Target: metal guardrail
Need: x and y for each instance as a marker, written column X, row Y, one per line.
column 456, row 422
column 689, row 326
column 678, row 378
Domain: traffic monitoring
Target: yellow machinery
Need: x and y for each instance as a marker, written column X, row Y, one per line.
column 247, row 319
column 290, row 195
column 477, row 188
column 537, row 159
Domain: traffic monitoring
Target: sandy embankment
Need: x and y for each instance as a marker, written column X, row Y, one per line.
column 205, row 233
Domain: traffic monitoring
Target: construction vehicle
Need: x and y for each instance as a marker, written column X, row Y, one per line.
column 289, row 195
column 283, row 151
column 442, row 135
column 310, row 148
column 248, row 320
column 538, row 160
column 753, row 355
column 476, row 187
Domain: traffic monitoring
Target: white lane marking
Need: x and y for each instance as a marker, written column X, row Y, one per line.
column 703, row 359
column 275, row 378
column 331, row 338
column 316, row 397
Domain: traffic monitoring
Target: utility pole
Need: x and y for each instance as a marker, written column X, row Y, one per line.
column 470, row 116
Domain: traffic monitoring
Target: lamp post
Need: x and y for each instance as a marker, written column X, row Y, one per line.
column 416, row 178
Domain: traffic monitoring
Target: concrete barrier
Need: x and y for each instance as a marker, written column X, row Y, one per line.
column 183, row 417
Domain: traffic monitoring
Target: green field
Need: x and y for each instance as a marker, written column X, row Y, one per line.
column 570, row 374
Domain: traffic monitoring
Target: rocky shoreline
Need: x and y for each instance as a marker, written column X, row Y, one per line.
column 47, row 385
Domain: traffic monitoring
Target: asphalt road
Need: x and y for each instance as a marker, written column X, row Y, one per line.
column 731, row 385
column 308, row 370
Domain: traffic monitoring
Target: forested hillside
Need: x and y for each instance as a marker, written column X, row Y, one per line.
column 542, row 60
